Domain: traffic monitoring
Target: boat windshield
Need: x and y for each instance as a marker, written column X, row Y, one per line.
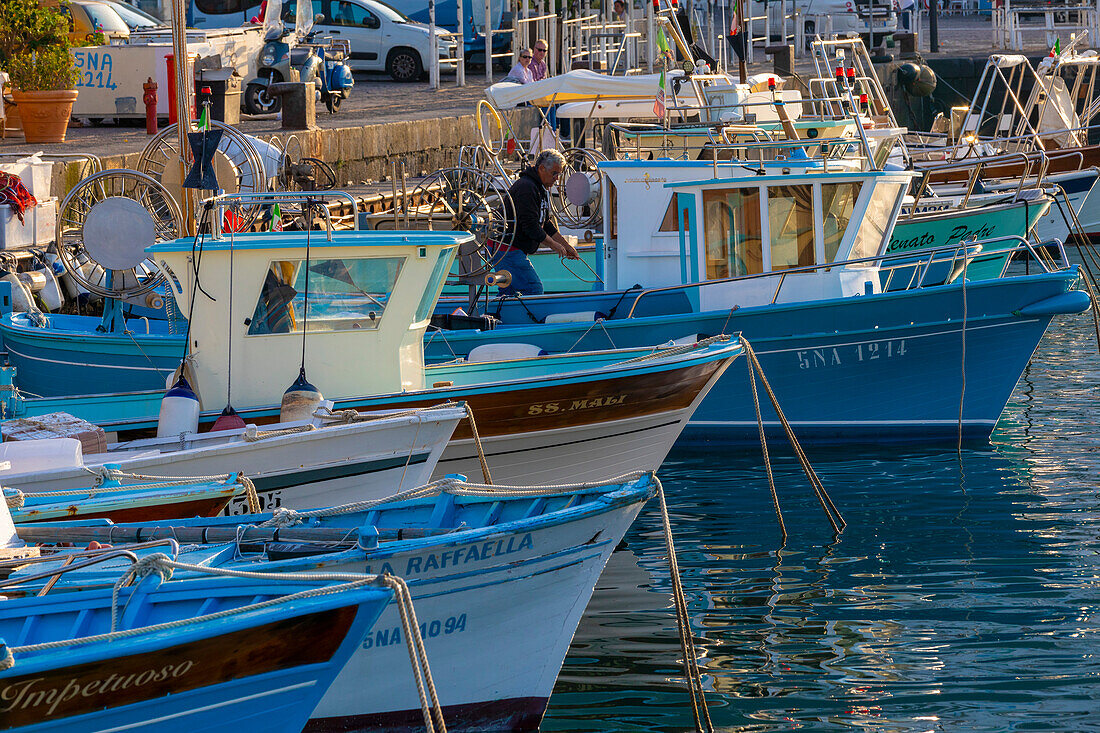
column 871, row 235
column 344, row 294
column 731, row 219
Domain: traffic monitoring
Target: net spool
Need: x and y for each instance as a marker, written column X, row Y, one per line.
column 179, row 410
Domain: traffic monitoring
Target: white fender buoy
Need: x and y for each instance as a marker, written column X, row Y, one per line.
column 504, row 352
column 21, row 300
column 51, row 294
column 299, row 400
column 578, row 317
column 179, row 411
column 228, row 420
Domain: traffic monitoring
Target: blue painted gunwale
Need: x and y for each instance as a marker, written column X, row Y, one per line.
column 246, row 699
column 897, row 399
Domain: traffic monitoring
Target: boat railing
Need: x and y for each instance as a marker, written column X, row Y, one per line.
column 976, row 167
column 218, row 205
column 972, row 139
column 919, row 262
column 834, row 148
column 90, row 558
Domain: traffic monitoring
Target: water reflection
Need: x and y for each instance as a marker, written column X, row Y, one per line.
column 963, row 595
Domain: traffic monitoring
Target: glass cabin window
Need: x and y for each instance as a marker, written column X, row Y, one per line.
column 344, row 295
column 871, row 235
column 791, row 222
column 671, row 220
column 731, row 223
column 431, row 292
column 838, row 200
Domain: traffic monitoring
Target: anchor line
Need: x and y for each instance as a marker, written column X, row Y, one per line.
column 767, row 458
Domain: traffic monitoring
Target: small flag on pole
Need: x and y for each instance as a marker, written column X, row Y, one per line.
column 662, row 44
column 659, row 104
column 735, row 21
column 1057, row 47
column 276, row 218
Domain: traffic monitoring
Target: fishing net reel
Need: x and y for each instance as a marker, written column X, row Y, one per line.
column 104, row 226
column 577, row 195
column 465, row 200
column 239, row 166
column 300, row 172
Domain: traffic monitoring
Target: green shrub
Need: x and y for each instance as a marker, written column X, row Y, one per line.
column 25, row 27
column 43, row 70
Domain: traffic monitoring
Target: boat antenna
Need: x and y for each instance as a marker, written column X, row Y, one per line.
column 305, row 298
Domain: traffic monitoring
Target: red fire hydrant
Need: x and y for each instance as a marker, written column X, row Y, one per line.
column 150, row 99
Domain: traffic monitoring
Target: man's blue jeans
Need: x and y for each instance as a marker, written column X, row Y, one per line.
column 525, row 281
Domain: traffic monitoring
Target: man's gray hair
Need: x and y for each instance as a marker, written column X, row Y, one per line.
column 548, row 157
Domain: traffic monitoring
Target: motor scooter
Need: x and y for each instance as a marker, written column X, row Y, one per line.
column 291, row 55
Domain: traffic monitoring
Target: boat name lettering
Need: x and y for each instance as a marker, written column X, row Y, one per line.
column 647, row 179
column 549, row 408
column 467, row 554
column 269, row 500
column 840, row 355
column 428, row 630
column 23, row 695
column 927, row 239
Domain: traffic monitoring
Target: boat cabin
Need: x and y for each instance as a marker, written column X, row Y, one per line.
column 355, row 303
column 670, row 222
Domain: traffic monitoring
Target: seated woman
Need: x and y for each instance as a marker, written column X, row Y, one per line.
column 521, row 72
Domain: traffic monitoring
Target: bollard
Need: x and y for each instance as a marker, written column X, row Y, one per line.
column 299, row 104
column 170, row 62
column 782, row 57
column 150, row 99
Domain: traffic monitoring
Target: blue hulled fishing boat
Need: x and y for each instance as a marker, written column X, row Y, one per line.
column 489, row 568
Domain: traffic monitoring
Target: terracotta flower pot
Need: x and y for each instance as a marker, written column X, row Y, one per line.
column 45, row 115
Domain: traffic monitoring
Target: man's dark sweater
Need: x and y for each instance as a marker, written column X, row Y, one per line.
column 532, row 222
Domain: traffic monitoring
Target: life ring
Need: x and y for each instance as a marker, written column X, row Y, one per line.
column 490, row 115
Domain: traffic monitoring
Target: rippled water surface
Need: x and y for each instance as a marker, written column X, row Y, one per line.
column 964, row 594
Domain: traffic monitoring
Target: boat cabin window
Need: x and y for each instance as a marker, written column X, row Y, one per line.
column 671, row 220
column 791, row 224
column 838, row 200
column 871, row 232
column 731, row 222
column 344, row 294
column 431, row 291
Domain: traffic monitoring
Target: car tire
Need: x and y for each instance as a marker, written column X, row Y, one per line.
column 257, row 101
column 404, row 65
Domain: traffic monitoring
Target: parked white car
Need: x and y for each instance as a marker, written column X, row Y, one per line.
column 382, row 38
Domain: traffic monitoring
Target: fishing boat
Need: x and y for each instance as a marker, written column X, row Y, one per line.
column 367, row 298
column 144, row 501
column 211, row 654
column 489, row 568
column 331, row 459
column 787, row 252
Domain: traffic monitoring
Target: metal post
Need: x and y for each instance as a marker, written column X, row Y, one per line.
column 934, row 26
column 433, row 48
column 488, row 41
column 651, row 36
column 460, row 72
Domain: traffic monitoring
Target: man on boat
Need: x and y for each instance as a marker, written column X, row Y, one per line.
column 532, row 225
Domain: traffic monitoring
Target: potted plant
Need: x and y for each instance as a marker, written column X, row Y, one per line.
column 34, row 50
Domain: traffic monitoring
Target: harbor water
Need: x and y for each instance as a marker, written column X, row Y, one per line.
column 963, row 595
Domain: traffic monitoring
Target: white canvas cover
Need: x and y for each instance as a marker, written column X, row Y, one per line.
column 577, row 86
column 1057, row 113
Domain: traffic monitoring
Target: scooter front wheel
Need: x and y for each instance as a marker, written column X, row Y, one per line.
column 333, row 103
column 258, row 101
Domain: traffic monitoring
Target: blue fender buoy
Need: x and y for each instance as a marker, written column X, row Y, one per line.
column 179, row 410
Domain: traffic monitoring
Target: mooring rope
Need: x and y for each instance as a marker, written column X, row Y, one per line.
column 767, row 457
column 13, row 497
column 831, row 512
column 661, row 352
column 693, row 676
column 115, row 474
